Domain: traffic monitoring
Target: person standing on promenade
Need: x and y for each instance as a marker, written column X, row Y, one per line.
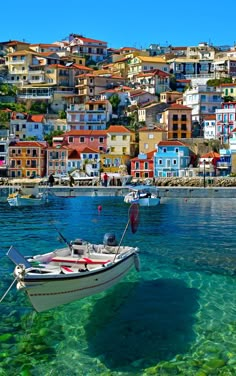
column 51, row 180
column 72, row 181
column 105, row 179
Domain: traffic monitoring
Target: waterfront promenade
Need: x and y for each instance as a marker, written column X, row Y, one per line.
column 164, row 192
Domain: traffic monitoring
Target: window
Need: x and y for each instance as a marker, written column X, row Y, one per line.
column 183, row 135
column 160, row 161
column 150, row 136
column 175, row 127
column 113, row 138
column 124, row 138
column 71, row 139
column 183, row 117
column 82, row 140
column 145, row 146
column 91, row 139
column 174, row 162
column 101, row 140
column 175, row 135
column 137, row 166
column 176, row 150
column 146, row 165
column 175, row 117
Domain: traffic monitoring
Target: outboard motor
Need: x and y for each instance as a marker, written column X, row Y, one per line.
column 110, row 239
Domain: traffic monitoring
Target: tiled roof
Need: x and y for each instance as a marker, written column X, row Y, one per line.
column 211, row 154
column 27, row 144
column 155, row 72
column 176, row 106
column 155, row 59
column 86, row 133
column 118, row 129
column 35, row 118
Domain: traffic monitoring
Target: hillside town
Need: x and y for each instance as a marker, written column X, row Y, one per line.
column 77, row 105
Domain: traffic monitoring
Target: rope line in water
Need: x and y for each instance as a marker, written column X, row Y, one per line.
column 9, row 288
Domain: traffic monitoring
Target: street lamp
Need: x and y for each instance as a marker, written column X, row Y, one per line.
column 204, row 173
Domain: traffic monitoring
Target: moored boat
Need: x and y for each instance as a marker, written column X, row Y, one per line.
column 143, row 196
column 79, row 270
column 27, row 195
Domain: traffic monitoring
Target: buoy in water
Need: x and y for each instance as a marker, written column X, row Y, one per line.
column 99, row 208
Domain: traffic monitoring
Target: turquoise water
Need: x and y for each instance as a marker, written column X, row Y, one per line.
column 177, row 316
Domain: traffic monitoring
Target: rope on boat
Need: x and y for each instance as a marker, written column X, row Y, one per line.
column 9, row 288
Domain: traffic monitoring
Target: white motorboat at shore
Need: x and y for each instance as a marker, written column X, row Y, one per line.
column 81, row 269
column 142, row 195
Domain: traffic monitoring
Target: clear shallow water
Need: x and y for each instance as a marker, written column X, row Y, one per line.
column 176, row 317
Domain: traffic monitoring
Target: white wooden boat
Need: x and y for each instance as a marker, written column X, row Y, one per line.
column 79, row 270
column 143, row 196
column 27, row 195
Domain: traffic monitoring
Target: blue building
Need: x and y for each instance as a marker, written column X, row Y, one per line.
column 224, row 164
column 172, row 158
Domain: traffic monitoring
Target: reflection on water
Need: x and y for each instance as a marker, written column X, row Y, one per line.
column 177, row 316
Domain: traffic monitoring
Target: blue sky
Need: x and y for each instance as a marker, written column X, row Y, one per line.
column 121, row 23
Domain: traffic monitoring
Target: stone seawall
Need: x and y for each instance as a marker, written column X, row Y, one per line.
column 196, row 182
column 168, row 192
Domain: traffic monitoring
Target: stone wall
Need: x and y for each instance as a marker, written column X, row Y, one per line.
column 196, row 182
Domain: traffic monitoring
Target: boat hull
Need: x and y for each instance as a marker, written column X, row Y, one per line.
column 21, row 201
column 147, row 201
column 52, row 291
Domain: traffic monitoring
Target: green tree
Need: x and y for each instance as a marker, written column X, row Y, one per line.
column 19, row 107
column 38, row 108
column 218, row 81
column 228, row 98
column 62, row 114
column 115, row 101
column 4, row 120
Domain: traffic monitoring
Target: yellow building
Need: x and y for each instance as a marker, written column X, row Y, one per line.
column 120, row 148
column 149, row 139
column 140, row 64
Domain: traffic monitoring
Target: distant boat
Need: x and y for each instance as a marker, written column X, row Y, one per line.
column 142, row 195
column 81, row 269
column 27, row 194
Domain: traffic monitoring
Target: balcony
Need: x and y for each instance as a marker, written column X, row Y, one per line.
column 223, row 165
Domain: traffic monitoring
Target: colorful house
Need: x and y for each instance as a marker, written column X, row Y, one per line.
column 172, row 158
column 56, row 160
column 94, row 139
column 26, row 159
column 142, row 166
column 208, row 164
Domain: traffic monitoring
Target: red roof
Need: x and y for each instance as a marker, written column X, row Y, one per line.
column 118, row 129
column 35, row 118
column 27, row 144
column 86, row 133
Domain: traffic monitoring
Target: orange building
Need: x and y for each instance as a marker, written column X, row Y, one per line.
column 26, row 159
